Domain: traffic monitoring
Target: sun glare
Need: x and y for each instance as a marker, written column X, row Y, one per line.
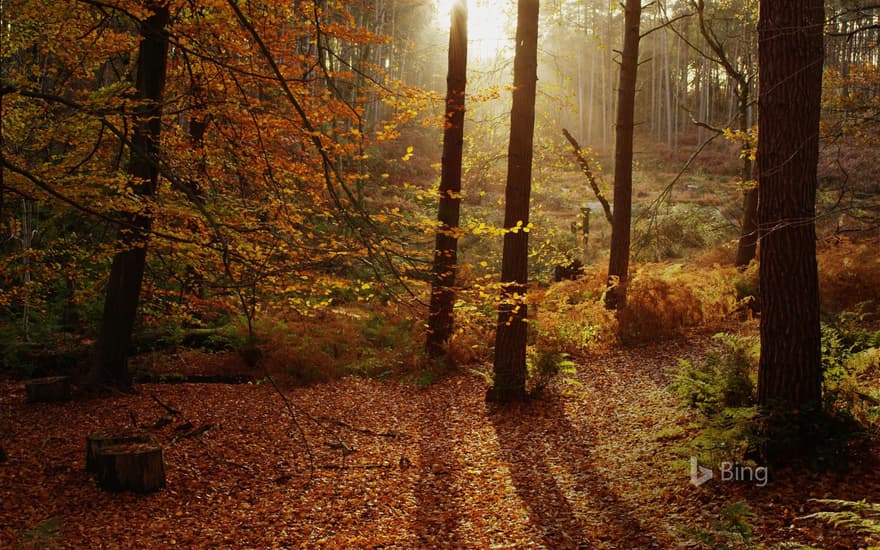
column 488, row 22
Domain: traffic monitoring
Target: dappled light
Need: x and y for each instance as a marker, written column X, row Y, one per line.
column 401, row 274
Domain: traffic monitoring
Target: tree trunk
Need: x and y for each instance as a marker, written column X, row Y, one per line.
column 739, row 77
column 511, row 332
column 790, row 54
column 440, row 319
column 668, row 94
column 748, row 240
column 618, row 265
column 127, row 272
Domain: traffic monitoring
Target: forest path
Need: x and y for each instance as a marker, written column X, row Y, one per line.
column 589, row 465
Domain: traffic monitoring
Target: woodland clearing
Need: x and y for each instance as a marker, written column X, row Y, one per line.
column 384, row 464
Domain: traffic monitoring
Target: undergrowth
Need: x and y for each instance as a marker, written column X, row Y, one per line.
column 723, row 391
column 859, row 516
column 731, row 531
column 663, row 301
column 337, row 342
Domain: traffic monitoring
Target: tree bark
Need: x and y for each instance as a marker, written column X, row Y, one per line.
column 127, row 271
column 511, row 332
column 618, row 264
column 136, row 467
column 748, row 240
column 101, row 439
column 790, row 54
column 440, row 317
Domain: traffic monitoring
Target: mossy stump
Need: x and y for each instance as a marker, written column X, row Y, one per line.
column 48, row 390
column 136, row 467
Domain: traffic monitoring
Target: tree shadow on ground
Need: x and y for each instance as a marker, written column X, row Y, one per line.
column 436, row 493
column 570, row 503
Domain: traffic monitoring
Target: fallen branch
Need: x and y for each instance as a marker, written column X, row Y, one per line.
column 171, row 410
column 356, row 466
column 367, row 431
column 192, row 433
column 591, row 179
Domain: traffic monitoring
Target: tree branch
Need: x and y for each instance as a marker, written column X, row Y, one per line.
column 591, row 179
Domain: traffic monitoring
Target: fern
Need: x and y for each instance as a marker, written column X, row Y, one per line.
column 543, row 366
column 722, row 389
column 859, row 516
column 733, row 531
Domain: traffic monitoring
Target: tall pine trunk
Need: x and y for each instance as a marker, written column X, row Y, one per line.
column 510, row 335
column 127, row 272
column 618, row 264
column 440, row 319
column 790, row 58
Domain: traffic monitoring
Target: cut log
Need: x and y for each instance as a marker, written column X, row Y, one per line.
column 101, row 439
column 47, row 390
column 136, row 467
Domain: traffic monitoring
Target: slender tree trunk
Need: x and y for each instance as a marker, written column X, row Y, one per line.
column 591, row 101
column 618, row 265
column 668, row 95
column 680, row 92
column 580, row 94
column 738, row 78
column 440, row 319
column 511, row 333
column 748, row 240
column 790, row 58
column 127, row 272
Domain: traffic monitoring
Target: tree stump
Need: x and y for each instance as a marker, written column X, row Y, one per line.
column 136, row 467
column 101, row 439
column 47, row 390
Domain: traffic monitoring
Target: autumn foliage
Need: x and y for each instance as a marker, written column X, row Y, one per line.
column 278, row 350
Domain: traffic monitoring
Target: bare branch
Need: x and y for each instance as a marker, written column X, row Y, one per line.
column 591, row 179
column 667, row 23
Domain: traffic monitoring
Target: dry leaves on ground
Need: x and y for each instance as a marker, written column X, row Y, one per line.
column 371, row 464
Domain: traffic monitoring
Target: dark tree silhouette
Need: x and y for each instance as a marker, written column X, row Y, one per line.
column 618, row 264
column 790, row 57
column 510, row 335
column 440, row 319
column 127, row 272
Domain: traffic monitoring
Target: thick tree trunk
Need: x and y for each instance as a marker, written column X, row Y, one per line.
column 511, row 332
column 127, row 271
column 440, row 318
column 790, row 63
column 618, row 264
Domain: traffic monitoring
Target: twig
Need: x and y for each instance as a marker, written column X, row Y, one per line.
column 651, row 210
column 356, row 466
column 367, row 431
column 170, row 410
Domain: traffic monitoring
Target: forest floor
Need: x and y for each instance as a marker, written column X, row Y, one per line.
column 589, row 465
